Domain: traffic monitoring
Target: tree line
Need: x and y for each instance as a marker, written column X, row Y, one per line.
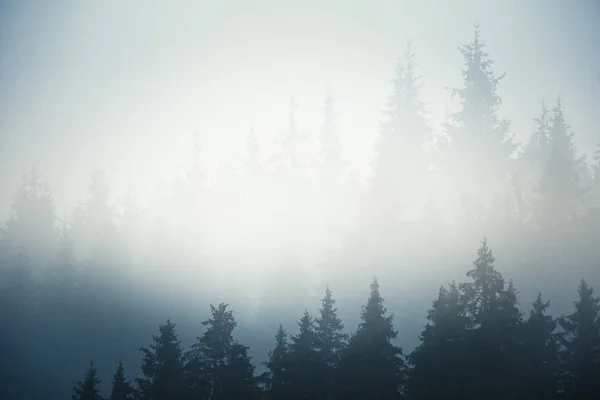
column 76, row 277
column 476, row 344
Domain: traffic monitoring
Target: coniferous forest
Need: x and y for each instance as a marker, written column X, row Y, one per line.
column 116, row 300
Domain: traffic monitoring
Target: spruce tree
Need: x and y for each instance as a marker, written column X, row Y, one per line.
column 561, row 196
column 304, row 368
column 278, row 386
column 438, row 364
column 531, row 162
column 493, row 340
column 479, row 136
column 121, row 387
column 331, row 341
column 400, row 162
column 581, row 352
column 540, row 356
column 162, row 366
column 226, row 368
column 371, row 366
column 87, row 389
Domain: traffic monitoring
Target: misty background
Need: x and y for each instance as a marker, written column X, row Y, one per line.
column 190, row 154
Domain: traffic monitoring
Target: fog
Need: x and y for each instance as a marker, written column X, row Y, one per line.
column 253, row 153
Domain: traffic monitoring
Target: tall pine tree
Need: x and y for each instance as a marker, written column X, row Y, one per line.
column 225, row 367
column 162, row 366
column 304, row 370
column 541, row 363
column 438, row 364
column 278, row 386
column 371, row 367
column 478, row 135
column 581, row 352
column 561, row 197
column 121, row 387
column 331, row 341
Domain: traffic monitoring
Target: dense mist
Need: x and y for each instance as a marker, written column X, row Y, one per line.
column 219, row 184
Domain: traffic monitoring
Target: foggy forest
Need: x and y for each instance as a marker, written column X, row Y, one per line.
column 454, row 256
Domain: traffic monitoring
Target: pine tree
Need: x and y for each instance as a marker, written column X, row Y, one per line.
column 225, row 366
column 438, row 364
column 121, row 387
column 581, row 353
column 531, row 162
column 478, row 135
column 400, row 163
column 540, row 353
column 371, row 366
column 331, row 341
column 493, row 341
column 304, row 370
column 88, row 388
column 162, row 366
column 278, row 386
column 561, row 197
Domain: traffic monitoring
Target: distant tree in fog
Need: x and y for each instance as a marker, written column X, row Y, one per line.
column 478, row 135
column 562, row 199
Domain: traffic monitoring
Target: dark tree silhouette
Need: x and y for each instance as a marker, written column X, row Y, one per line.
column 121, row 387
column 581, row 353
column 87, row 389
column 304, row 368
column 330, row 341
column 162, row 367
column 541, row 363
column 371, row 367
column 438, row 364
column 225, row 367
column 278, row 386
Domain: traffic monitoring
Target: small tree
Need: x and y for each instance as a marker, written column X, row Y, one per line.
column 88, row 388
column 121, row 388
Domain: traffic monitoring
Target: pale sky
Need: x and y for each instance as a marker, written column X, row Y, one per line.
column 121, row 85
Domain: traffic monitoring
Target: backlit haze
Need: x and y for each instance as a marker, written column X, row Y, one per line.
column 124, row 87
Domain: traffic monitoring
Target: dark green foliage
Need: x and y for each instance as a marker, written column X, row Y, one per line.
column 278, row 386
column 224, row 369
column 581, row 353
column 540, row 356
column 371, row 367
column 330, row 341
column 87, row 389
column 305, row 372
column 121, row 387
column 439, row 361
column 162, row 367
column 493, row 341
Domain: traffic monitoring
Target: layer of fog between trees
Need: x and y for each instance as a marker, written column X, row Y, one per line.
column 297, row 222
